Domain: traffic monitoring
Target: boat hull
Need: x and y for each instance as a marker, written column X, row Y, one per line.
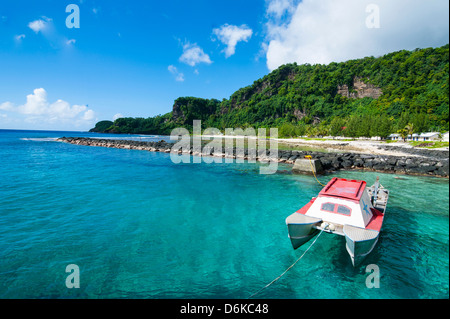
column 359, row 242
column 301, row 228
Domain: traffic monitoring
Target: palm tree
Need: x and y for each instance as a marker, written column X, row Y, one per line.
column 409, row 129
column 403, row 133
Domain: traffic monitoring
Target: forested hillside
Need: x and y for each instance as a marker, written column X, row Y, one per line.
column 363, row 97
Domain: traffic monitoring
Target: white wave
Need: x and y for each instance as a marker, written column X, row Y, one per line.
column 39, row 139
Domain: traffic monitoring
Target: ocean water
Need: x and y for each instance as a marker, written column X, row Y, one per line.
column 139, row 226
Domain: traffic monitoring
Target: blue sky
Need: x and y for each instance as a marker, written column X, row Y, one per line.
column 134, row 58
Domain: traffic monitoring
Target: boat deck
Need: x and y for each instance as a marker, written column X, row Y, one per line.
column 380, row 202
column 338, row 229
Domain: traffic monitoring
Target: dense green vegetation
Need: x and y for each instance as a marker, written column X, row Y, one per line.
column 304, row 100
column 102, row 126
column 160, row 124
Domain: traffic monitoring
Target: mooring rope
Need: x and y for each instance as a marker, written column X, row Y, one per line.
column 312, row 169
column 276, row 279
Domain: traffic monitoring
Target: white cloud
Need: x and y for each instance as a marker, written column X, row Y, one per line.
column 36, row 103
column 19, row 37
column 6, row 106
column 179, row 77
column 230, row 35
column 39, row 25
column 62, row 110
column 89, row 115
column 193, row 55
column 328, row 30
column 50, row 33
column 278, row 8
column 37, row 109
column 117, row 116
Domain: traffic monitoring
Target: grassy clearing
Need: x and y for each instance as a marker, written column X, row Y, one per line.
column 259, row 144
column 430, row 145
column 327, row 139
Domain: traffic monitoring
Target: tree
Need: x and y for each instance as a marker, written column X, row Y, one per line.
column 287, row 130
column 382, row 126
column 420, row 122
column 403, row 133
column 409, row 129
column 337, row 126
column 102, row 126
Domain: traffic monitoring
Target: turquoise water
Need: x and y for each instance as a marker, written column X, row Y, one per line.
column 139, row 226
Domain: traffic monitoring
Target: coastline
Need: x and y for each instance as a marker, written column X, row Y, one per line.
column 430, row 163
column 355, row 146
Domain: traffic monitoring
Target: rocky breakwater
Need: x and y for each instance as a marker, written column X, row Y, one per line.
column 411, row 165
column 160, row 146
column 423, row 152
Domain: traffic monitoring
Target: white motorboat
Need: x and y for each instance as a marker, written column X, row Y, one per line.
column 343, row 207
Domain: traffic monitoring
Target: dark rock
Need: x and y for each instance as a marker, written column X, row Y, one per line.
column 426, row 168
column 366, row 156
column 368, row 163
column 442, row 171
column 335, row 163
column 392, row 160
column 326, row 163
column 347, row 164
column 358, row 163
column 379, row 167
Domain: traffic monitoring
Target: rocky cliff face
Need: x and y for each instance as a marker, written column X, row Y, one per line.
column 176, row 111
column 268, row 86
column 360, row 90
column 187, row 109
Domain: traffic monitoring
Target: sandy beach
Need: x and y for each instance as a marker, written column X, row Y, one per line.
column 341, row 145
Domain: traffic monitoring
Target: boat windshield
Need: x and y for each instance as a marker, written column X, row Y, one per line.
column 328, row 207
column 336, row 209
column 344, row 210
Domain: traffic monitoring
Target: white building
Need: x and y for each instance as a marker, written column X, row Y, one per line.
column 445, row 137
column 394, row 137
column 423, row 137
column 429, row 136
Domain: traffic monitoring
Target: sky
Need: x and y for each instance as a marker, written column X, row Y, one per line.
column 64, row 65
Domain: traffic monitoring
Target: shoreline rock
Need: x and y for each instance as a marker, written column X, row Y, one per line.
column 420, row 163
column 438, row 154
